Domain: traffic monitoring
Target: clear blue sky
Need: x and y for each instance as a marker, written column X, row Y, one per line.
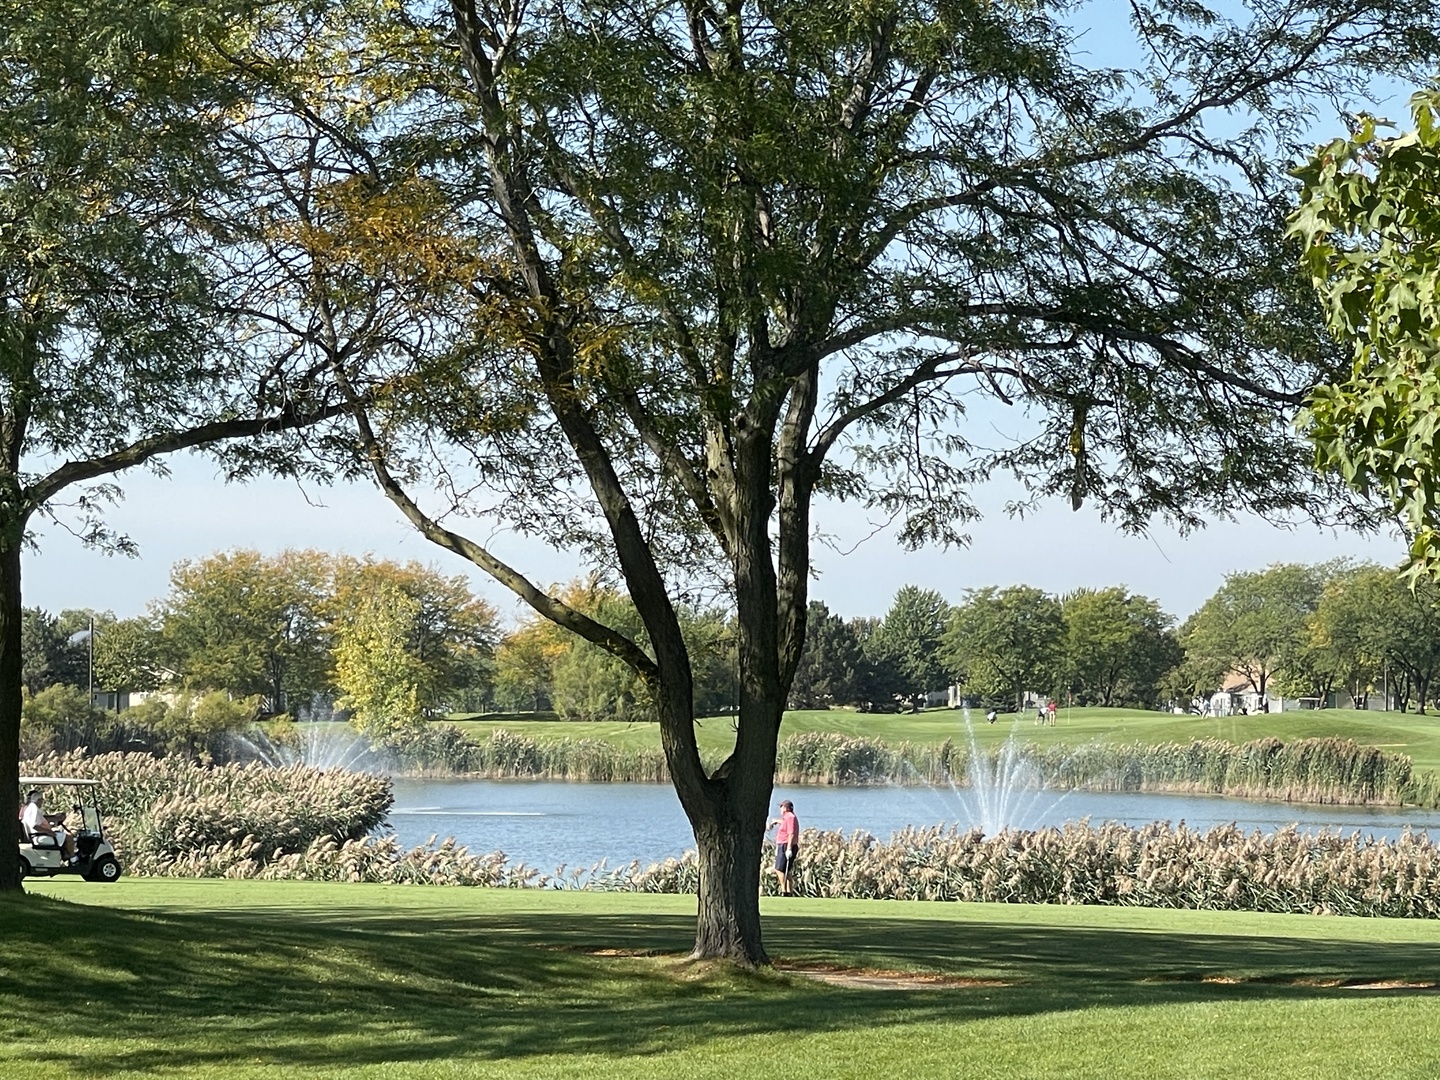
column 193, row 514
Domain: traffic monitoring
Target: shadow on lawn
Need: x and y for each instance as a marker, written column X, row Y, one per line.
column 350, row 987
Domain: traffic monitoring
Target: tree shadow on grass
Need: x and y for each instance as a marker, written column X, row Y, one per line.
column 348, row 986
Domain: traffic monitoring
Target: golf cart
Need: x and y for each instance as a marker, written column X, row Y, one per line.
column 94, row 856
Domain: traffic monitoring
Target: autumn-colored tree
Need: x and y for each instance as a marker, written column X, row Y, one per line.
column 525, row 664
column 379, row 676
column 447, row 634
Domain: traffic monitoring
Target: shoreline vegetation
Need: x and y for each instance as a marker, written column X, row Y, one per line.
column 171, row 818
column 1314, row 770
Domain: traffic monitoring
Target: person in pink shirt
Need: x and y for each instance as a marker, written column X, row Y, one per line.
column 787, row 846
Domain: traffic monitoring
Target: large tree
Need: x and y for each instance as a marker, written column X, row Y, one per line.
column 119, row 342
column 832, row 665
column 447, row 633
column 907, row 640
column 1354, row 628
column 250, row 624
column 1117, row 646
column 677, row 269
column 1007, row 642
column 1257, row 624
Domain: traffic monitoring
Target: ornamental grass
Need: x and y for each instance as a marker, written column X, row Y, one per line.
column 1156, row 865
column 173, row 818
column 162, row 809
column 1307, row 770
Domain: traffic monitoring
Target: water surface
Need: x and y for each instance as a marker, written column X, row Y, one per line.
column 547, row 823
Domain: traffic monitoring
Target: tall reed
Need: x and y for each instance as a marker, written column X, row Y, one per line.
column 158, row 809
column 1307, row 770
column 1157, row 865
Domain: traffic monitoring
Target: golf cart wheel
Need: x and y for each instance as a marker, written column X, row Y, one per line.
column 106, row 869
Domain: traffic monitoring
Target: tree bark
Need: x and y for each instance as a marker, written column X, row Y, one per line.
column 10, row 700
column 727, row 924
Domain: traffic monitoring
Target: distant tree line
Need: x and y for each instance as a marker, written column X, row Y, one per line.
column 296, row 634
column 241, row 635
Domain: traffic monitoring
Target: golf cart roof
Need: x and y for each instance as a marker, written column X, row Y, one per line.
column 69, row 781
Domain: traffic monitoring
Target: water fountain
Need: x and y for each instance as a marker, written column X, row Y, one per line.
column 318, row 744
column 1006, row 791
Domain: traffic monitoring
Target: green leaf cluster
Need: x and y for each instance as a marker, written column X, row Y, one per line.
column 1369, row 227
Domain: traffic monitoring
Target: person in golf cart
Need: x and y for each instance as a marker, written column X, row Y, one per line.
column 39, row 824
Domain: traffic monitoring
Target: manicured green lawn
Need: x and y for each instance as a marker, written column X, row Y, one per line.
column 249, row 979
column 1406, row 733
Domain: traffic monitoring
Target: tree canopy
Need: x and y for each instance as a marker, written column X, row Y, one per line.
column 123, row 336
column 1257, row 623
column 1007, row 642
column 1118, row 646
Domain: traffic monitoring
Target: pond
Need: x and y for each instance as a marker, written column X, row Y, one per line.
column 546, row 824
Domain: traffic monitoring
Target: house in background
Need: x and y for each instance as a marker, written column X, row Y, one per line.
column 1237, row 697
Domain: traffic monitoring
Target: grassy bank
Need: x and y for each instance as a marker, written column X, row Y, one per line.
column 244, row 979
column 1400, row 733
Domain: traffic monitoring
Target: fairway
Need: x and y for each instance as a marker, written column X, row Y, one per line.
column 1400, row 733
column 251, row 979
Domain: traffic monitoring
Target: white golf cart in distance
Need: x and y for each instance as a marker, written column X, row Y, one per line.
column 95, row 859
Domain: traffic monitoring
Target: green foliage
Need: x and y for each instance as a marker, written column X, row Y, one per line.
column 540, row 664
column 1257, row 624
column 708, row 262
column 380, row 679
column 128, row 655
column 47, row 656
column 1353, row 631
column 1006, row 641
column 590, row 683
column 1118, row 647
column 525, row 665
column 1369, row 226
column 441, row 637
column 249, row 624
column 905, row 644
column 61, row 718
column 274, row 625
column 832, row 668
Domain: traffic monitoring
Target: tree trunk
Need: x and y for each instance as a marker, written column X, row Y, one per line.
column 727, row 924
column 10, row 668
